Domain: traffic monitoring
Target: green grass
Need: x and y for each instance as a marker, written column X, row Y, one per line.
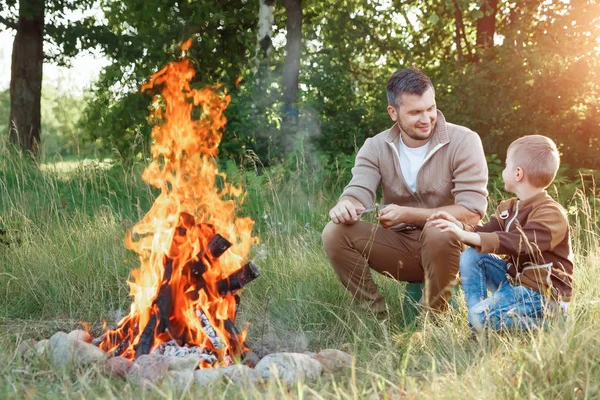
column 68, row 264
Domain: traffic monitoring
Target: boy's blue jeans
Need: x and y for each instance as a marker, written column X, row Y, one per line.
column 508, row 307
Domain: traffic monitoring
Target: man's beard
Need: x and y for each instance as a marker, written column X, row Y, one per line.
column 413, row 135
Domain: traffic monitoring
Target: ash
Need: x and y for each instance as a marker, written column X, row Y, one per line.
column 172, row 349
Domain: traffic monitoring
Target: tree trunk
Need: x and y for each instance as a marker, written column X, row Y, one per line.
column 291, row 63
column 26, row 77
column 486, row 25
column 457, row 35
column 460, row 33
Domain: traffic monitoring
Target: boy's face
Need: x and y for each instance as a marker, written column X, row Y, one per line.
column 511, row 174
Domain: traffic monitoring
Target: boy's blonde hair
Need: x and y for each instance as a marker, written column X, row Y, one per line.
column 538, row 156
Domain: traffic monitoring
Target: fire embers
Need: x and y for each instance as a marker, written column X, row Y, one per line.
column 194, row 308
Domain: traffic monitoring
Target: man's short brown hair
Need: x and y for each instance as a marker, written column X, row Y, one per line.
column 538, row 156
column 410, row 81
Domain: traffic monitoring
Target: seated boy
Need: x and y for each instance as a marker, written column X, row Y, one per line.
column 533, row 279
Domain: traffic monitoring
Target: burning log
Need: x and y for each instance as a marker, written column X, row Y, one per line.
column 120, row 348
column 238, row 279
column 147, row 339
column 235, row 335
column 218, row 245
column 213, row 336
column 164, row 300
column 197, row 267
column 163, row 306
column 160, row 320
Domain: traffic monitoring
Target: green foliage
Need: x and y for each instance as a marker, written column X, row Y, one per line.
column 64, row 34
column 129, row 132
column 151, row 35
column 253, row 123
column 514, row 92
column 61, row 113
column 342, row 129
column 541, row 75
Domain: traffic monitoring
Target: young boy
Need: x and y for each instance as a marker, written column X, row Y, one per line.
column 533, row 279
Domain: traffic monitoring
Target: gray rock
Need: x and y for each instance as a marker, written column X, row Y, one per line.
column 180, row 379
column 40, row 347
column 64, row 351
column 186, row 363
column 250, row 359
column 81, row 335
column 242, row 375
column 149, row 367
column 27, row 349
column 334, row 360
column 289, row 367
column 117, row 367
column 205, row 378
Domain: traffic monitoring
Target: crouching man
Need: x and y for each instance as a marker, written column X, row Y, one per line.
column 424, row 165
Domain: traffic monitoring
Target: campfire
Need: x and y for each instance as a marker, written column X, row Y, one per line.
column 193, row 253
column 192, row 248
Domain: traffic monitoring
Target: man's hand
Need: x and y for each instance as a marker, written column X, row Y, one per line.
column 345, row 212
column 445, row 216
column 393, row 215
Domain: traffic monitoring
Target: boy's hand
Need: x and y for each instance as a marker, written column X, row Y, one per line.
column 452, row 228
column 470, row 238
column 443, row 215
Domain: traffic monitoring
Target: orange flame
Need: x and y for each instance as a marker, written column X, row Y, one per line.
column 194, row 204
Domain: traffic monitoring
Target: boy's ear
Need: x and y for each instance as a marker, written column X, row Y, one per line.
column 520, row 174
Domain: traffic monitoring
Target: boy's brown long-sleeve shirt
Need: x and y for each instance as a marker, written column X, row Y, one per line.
column 534, row 236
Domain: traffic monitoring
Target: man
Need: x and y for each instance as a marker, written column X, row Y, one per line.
column 424, row 165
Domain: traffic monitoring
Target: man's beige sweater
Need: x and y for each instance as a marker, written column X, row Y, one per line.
column 454, row 171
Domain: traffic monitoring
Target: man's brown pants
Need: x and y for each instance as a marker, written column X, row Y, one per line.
column 427, row 255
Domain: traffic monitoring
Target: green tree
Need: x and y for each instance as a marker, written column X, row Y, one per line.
column 542, row 79
column 500, row 67
column 37, row 22
column 223, row 39
column 540, row 75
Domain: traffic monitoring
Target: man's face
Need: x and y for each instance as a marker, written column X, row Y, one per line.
column 416, row 115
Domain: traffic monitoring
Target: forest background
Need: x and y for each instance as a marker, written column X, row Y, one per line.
column 307, row 85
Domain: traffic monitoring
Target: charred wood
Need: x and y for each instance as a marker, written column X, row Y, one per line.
column 164, row 299
column 238, row 279
column 218, row 245
column 147, row 339
column 120, row 348
column 234, row 334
